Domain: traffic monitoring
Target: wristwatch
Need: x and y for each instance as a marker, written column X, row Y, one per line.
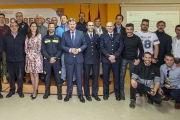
column 155, row 59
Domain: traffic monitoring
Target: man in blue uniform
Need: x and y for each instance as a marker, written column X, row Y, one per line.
column 51, row 51
column 91, row 60
column 111, row 46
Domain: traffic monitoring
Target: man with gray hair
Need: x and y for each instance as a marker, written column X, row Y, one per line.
column 73, row 45
column 111, row 46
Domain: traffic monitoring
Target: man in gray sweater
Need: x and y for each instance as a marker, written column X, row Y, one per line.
column 170, row 80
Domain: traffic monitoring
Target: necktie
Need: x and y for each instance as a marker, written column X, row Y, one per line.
column 91, row 37
column 168, row 73
column 111, row 36
column 73, row 38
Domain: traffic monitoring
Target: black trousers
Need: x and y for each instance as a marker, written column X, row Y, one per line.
column 116, row 77
column 16, row 69
column 174, row 93
column 95, row 73
column 0, row 80
column 141, row 88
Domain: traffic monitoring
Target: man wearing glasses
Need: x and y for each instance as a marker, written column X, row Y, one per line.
column 111, row 46
column 149, row 40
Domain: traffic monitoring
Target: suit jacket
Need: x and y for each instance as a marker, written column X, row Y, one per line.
column 43, row 30
column 1, row 44
column 111, row 47
column 67, row 44
column 123, row 30
column 91, row 53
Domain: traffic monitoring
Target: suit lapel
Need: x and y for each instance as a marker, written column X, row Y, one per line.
column 76, row 38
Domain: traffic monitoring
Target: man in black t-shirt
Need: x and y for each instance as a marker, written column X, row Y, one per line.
column 130, row 54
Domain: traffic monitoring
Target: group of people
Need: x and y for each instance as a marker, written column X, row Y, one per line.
column 76, row 49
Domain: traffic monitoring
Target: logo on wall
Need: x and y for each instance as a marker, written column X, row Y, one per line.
column 60, row 12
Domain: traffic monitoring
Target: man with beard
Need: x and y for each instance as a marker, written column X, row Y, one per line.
column 149, row 40
column 145, row 79
column 73, row 44
column 81, row 25
column 51, row 51
column 165, row 42
column 170, row 80
column 59, row 31
column 129, row 55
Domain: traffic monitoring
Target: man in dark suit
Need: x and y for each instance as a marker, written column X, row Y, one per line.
column 91, row 60
column 1, row 48
column 118, row 25
column 73, row 45
column 111, row 46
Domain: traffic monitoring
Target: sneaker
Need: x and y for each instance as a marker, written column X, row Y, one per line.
column 132, row 104
column 74, row 83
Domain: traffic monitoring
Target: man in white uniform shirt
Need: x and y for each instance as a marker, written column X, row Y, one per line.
column 149, row 40
column 176, row 46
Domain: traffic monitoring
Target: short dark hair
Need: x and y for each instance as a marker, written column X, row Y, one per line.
column 65, row 16
column 130, row 25
column 81, row 13
column 2, row 14
column 145, row 20
column 88, row 22
column 161, row 22
column 147, row 53
column 50, row 24
column 177, row 26
column 120, row 16
column 169, row 55
column 97, row 19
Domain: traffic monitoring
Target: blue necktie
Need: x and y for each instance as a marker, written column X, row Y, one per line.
column 91, row 37
column 111, row 36
column 73, row 38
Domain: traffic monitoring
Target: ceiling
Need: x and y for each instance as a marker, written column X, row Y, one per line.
column 41, row 2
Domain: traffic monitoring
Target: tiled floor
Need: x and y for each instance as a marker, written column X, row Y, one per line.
column 16, row 108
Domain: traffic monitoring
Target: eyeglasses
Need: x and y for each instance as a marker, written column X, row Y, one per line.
column 109, row 26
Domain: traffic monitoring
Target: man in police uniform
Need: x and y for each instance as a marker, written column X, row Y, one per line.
column 51, row 51
column 91, row 60
column 111, row 46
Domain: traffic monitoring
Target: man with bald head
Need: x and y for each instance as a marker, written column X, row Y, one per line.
column 14, row 47
column 111, row 46
column 54, row 20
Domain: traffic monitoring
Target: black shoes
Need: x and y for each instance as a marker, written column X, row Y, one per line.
column 1, row 96
column 88, row 98
column 132, row 104
column 67, row 98
column 118, row 98
column 105, row 97
column 122, row 95
column 21, row 95
column 96, row 97
column 10, row 94
column 81, row 98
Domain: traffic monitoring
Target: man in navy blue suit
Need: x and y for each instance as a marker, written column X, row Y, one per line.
column 91, row 60
column 73, row 45
column 111, row 46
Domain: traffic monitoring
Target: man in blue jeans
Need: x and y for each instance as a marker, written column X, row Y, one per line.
column 130, row 54
column 170, row 80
